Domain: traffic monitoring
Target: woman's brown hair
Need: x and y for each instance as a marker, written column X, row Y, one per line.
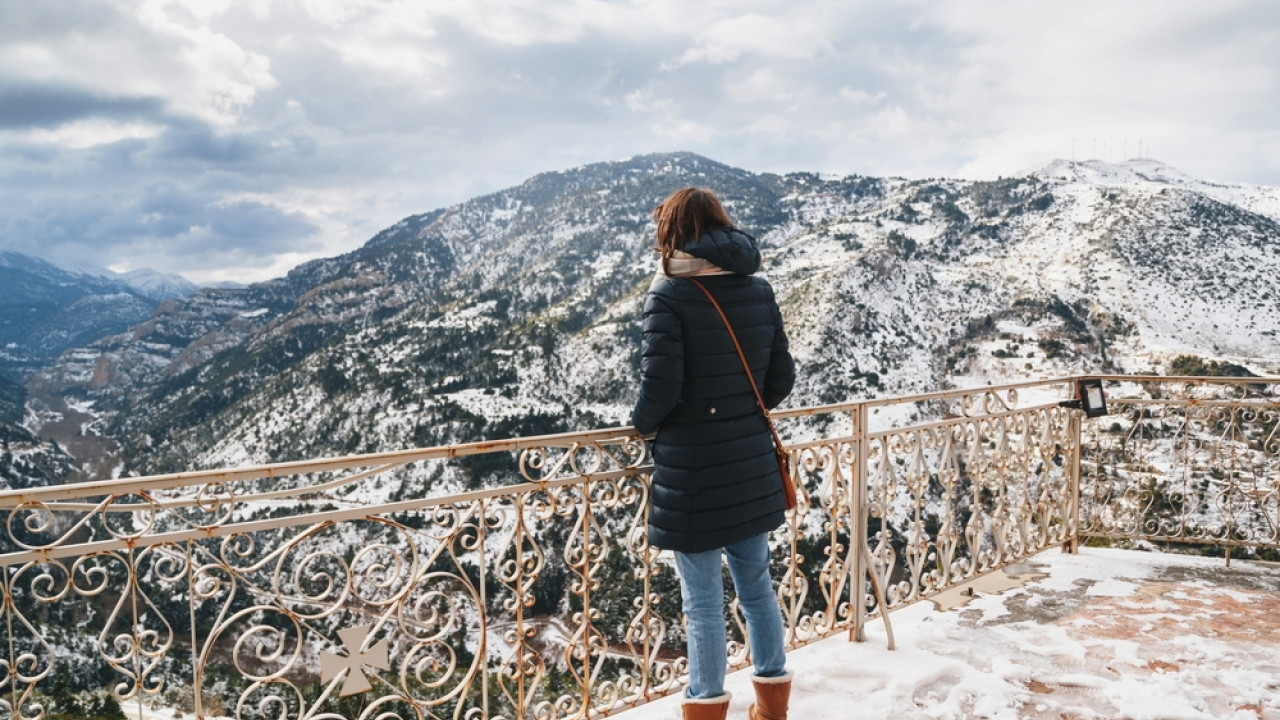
column 684, row 216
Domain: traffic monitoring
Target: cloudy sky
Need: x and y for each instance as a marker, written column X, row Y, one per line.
column 231, row 140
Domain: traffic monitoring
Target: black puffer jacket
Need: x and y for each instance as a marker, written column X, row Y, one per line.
column 715, row 476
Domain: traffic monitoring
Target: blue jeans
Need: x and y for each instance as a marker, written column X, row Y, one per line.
column 702, row 590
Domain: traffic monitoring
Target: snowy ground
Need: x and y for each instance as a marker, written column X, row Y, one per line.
column 1103, row 634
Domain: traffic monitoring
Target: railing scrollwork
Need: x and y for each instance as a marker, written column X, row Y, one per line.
column 276, row 593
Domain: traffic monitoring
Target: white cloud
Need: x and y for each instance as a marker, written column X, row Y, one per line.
column 1148, row 70
column 350, row 114
column 530, row 22
column 338, row 14
column 92, row 132
column 861, row 97
column 727, row 40
column 645, row 100
column 762, row 85
column 167, row 52
column 213, row 78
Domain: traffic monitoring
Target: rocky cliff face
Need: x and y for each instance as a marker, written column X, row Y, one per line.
column 25, row 459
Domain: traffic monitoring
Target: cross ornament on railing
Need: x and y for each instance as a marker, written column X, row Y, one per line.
column 353, row 638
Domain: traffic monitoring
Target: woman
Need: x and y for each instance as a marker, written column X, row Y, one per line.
column 716, row 487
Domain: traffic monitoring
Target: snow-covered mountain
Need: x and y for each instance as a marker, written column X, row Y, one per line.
column 45, row 309
column 157, row 285
column 150, row 283
column 518, row 312
column 1145, row 172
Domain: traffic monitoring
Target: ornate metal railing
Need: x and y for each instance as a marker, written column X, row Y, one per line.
column 1186, row 460
column 954, row 485
column 310, row 589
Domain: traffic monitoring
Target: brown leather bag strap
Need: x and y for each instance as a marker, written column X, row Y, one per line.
column 743, row 357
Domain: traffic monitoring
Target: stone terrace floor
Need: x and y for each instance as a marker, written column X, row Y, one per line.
column 1102, row 634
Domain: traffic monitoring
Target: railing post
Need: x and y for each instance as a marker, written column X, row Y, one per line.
column 196, row 665
column 483, row 567
column 586, row 599
column 858, row 520
column 1074, row 430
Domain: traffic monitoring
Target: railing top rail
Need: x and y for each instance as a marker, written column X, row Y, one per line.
column 1194, row 379
column 961, row 392
column 132, row 485
column 923, row 397
column 35, row 553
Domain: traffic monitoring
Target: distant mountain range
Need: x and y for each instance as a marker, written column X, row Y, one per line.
column 157, row 285
column 518, row 312
column 45, row 309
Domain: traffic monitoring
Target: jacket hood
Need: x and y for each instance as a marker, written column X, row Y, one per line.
column 727, row 248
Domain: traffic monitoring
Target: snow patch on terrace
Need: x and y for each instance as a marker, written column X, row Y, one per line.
column 1129, row 647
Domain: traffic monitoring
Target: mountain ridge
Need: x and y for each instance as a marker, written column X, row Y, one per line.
column 517, row 312
column 45, row 309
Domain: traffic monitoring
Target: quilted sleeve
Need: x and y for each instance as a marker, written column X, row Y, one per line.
column 661, row 363
column 781, row 376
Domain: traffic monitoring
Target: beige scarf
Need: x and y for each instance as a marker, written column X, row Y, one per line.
column 682, row 264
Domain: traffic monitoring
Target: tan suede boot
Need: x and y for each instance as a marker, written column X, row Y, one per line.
column 772, row 696
column 715, row 708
